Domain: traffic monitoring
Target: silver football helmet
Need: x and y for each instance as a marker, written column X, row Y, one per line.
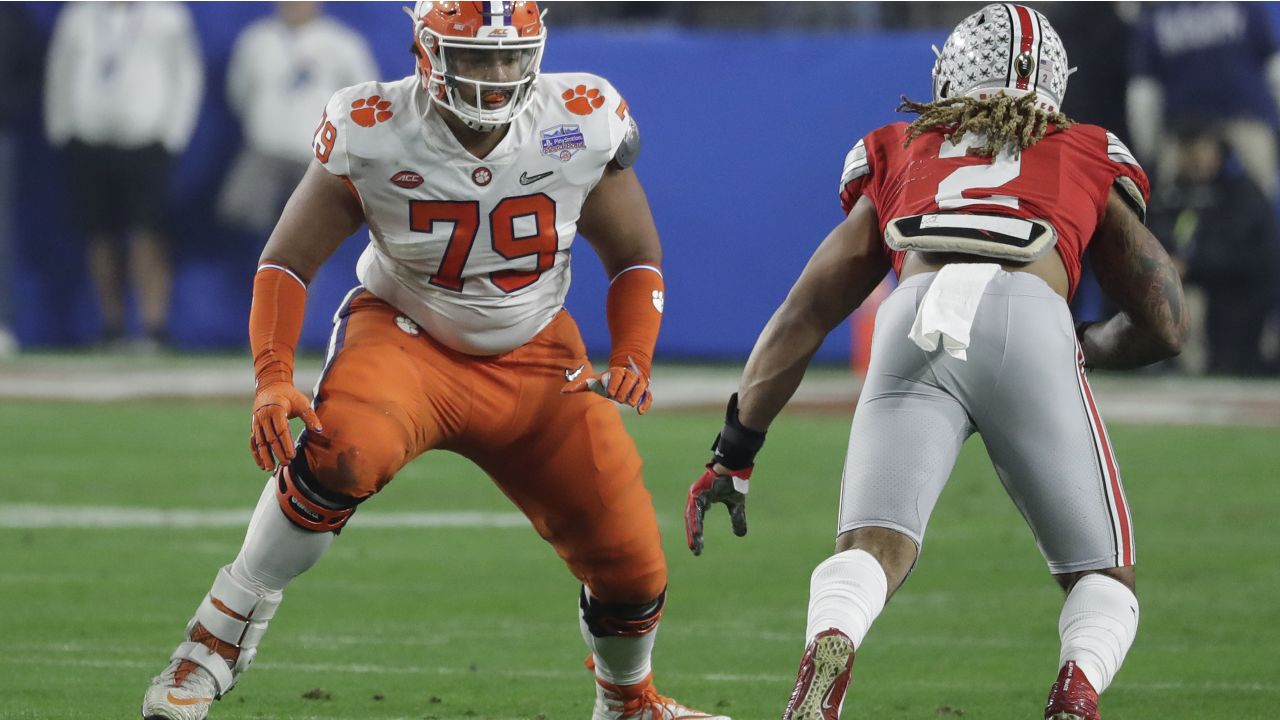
column 1003, row 47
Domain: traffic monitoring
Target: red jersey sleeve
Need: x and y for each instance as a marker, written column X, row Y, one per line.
column 872, row 163
column 1130, row 179
column 856, row 175
column 1104, row 162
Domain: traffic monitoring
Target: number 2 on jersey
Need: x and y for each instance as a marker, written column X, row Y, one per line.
column 1003, row 168
column 465, row 217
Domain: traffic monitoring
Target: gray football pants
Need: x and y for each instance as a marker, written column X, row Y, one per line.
column 1024, row 390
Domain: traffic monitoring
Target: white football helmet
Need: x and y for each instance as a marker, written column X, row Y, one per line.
column 1004, row 47
column 454, row 38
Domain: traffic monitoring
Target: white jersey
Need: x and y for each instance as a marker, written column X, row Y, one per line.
column 475, row 251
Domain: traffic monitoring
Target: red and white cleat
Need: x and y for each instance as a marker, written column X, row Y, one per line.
column 823, row 678
column 1072, row 697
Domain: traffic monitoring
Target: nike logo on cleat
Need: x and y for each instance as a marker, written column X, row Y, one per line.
column 188, row 701
column 527, row 179
column 829, row 708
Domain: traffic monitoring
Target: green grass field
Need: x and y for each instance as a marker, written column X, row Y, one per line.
column 481, row 623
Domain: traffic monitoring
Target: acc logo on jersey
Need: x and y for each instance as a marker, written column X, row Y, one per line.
column 481, row 176
column 407, row 179
column 563, row 141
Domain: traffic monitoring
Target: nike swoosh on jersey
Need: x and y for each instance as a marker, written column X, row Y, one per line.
column 527, row 179
column 572, row 375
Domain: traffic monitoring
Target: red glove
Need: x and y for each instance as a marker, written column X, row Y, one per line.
column 730, row 489
column 734, row 451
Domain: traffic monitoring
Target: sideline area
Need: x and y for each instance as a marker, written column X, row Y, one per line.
column 1124, row 398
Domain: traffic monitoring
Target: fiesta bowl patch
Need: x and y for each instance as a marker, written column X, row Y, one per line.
column 562, row 141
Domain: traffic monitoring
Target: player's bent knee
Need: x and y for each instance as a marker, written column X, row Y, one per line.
column 308, row 505
column 895, row 551
column 1123, row 575
column 624, row 578
column 361, row 449
column 605, row 619
column 885, row 544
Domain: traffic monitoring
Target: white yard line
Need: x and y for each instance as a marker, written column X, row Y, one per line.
column 572, row 674
column 23, row 516
column 1125, row 398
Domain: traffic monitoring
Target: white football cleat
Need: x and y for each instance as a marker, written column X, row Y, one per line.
column 221, row 642
column 641, row 702
column 184, row 691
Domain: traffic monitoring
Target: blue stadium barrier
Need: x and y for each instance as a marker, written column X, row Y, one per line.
column 744, row 137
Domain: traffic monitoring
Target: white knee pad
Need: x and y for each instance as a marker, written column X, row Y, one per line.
column 256, row 608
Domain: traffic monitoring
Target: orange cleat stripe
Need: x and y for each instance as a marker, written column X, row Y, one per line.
column 188, row 701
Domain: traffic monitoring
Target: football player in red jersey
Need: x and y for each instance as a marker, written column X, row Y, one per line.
column 474, row 176
column 983, row 206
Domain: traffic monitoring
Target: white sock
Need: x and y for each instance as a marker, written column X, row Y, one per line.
column 620, row 660
column 1098, row 623
column 275, row 550
column 847, row 592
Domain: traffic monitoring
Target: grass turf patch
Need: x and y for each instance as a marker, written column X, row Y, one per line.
column 471, row 622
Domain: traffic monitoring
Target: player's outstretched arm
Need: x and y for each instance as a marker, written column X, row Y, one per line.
column 320, row 214
column 617, row 222
column 844, row 269
column 1133, row 270
column 842, row 272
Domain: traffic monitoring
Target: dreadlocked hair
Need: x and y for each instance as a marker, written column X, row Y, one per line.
column 1002, row 119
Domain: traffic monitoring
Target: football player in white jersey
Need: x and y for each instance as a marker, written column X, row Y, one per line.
column 474, row 175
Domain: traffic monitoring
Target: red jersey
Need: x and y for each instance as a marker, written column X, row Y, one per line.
column 1064, row 180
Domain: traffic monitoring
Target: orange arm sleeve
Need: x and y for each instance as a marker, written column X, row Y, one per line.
column 275, row 322
column 634, row 309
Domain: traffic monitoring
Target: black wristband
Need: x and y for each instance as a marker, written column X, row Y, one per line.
column 736, row 445
column 1081, row 327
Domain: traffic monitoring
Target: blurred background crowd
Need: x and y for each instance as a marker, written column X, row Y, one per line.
column 146, row 150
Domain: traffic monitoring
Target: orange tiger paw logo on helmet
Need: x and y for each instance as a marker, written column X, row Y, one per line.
column 367, row 112
column 582, row 101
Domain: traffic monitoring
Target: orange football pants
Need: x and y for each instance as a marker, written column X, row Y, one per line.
column 389, row 393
